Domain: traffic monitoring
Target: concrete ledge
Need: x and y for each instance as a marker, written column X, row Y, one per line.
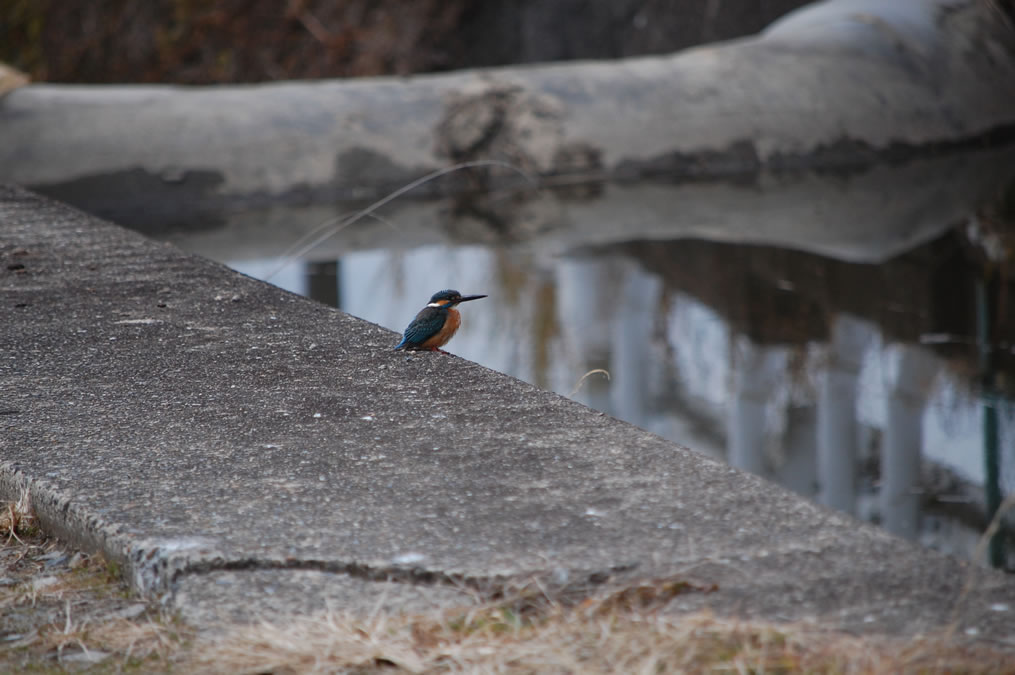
column 200, row 426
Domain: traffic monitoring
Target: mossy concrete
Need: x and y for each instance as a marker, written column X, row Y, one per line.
column 235, row 447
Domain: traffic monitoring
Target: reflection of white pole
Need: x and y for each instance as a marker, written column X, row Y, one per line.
column 630, row 365
column 755, row 372
column 837, row 424
column 797, row 467
column 292, row 277
column 586, row 297
column 910, row 374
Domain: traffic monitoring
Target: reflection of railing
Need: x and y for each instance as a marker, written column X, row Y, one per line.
column 898, row 460
column 802, row 305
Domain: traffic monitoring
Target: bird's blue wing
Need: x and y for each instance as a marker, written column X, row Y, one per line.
column 426, row 324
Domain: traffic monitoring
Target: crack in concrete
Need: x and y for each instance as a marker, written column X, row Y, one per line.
column 491, row 587
column 155, row 566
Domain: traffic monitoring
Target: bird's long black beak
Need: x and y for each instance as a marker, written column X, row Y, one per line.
column 466, row 298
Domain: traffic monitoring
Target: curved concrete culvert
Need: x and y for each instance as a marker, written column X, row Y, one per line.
column 842, row 82
column 936, row 71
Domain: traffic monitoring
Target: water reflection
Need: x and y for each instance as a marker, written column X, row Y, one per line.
column 860, row 384
column 834, row 407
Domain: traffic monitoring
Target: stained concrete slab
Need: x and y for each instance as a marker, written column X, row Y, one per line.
column 198, row 425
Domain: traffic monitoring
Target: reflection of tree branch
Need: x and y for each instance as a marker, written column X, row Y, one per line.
column 992, row 529
column 995, row 525
column 591, row 372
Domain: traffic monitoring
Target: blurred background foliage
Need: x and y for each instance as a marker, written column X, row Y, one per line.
column 220, row 41
column 215, row 41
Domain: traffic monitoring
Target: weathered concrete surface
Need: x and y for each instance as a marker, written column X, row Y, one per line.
column 224, row 439
column 833, row 84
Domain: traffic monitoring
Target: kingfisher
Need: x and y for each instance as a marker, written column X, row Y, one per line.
column 436, row 323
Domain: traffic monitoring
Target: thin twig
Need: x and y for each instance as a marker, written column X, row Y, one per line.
column 345, row 221
column 582, row 379
column 981, row 546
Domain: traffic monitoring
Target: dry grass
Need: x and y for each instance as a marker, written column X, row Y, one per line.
column 118, row 642
column 76, row 624
column 613, row 633
column 62, row 611
column 17, row 518
column 75, row 618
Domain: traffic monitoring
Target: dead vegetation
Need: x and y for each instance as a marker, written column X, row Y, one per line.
column 17, row 518
column 601, row 635
column 62, row 611
column 70, row 612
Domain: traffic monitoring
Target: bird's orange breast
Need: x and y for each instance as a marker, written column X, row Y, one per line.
column 447, row 331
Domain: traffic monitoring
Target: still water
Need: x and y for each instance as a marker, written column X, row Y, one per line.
column 850, row 336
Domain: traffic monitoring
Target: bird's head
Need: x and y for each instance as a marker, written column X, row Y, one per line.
column 450, row 298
